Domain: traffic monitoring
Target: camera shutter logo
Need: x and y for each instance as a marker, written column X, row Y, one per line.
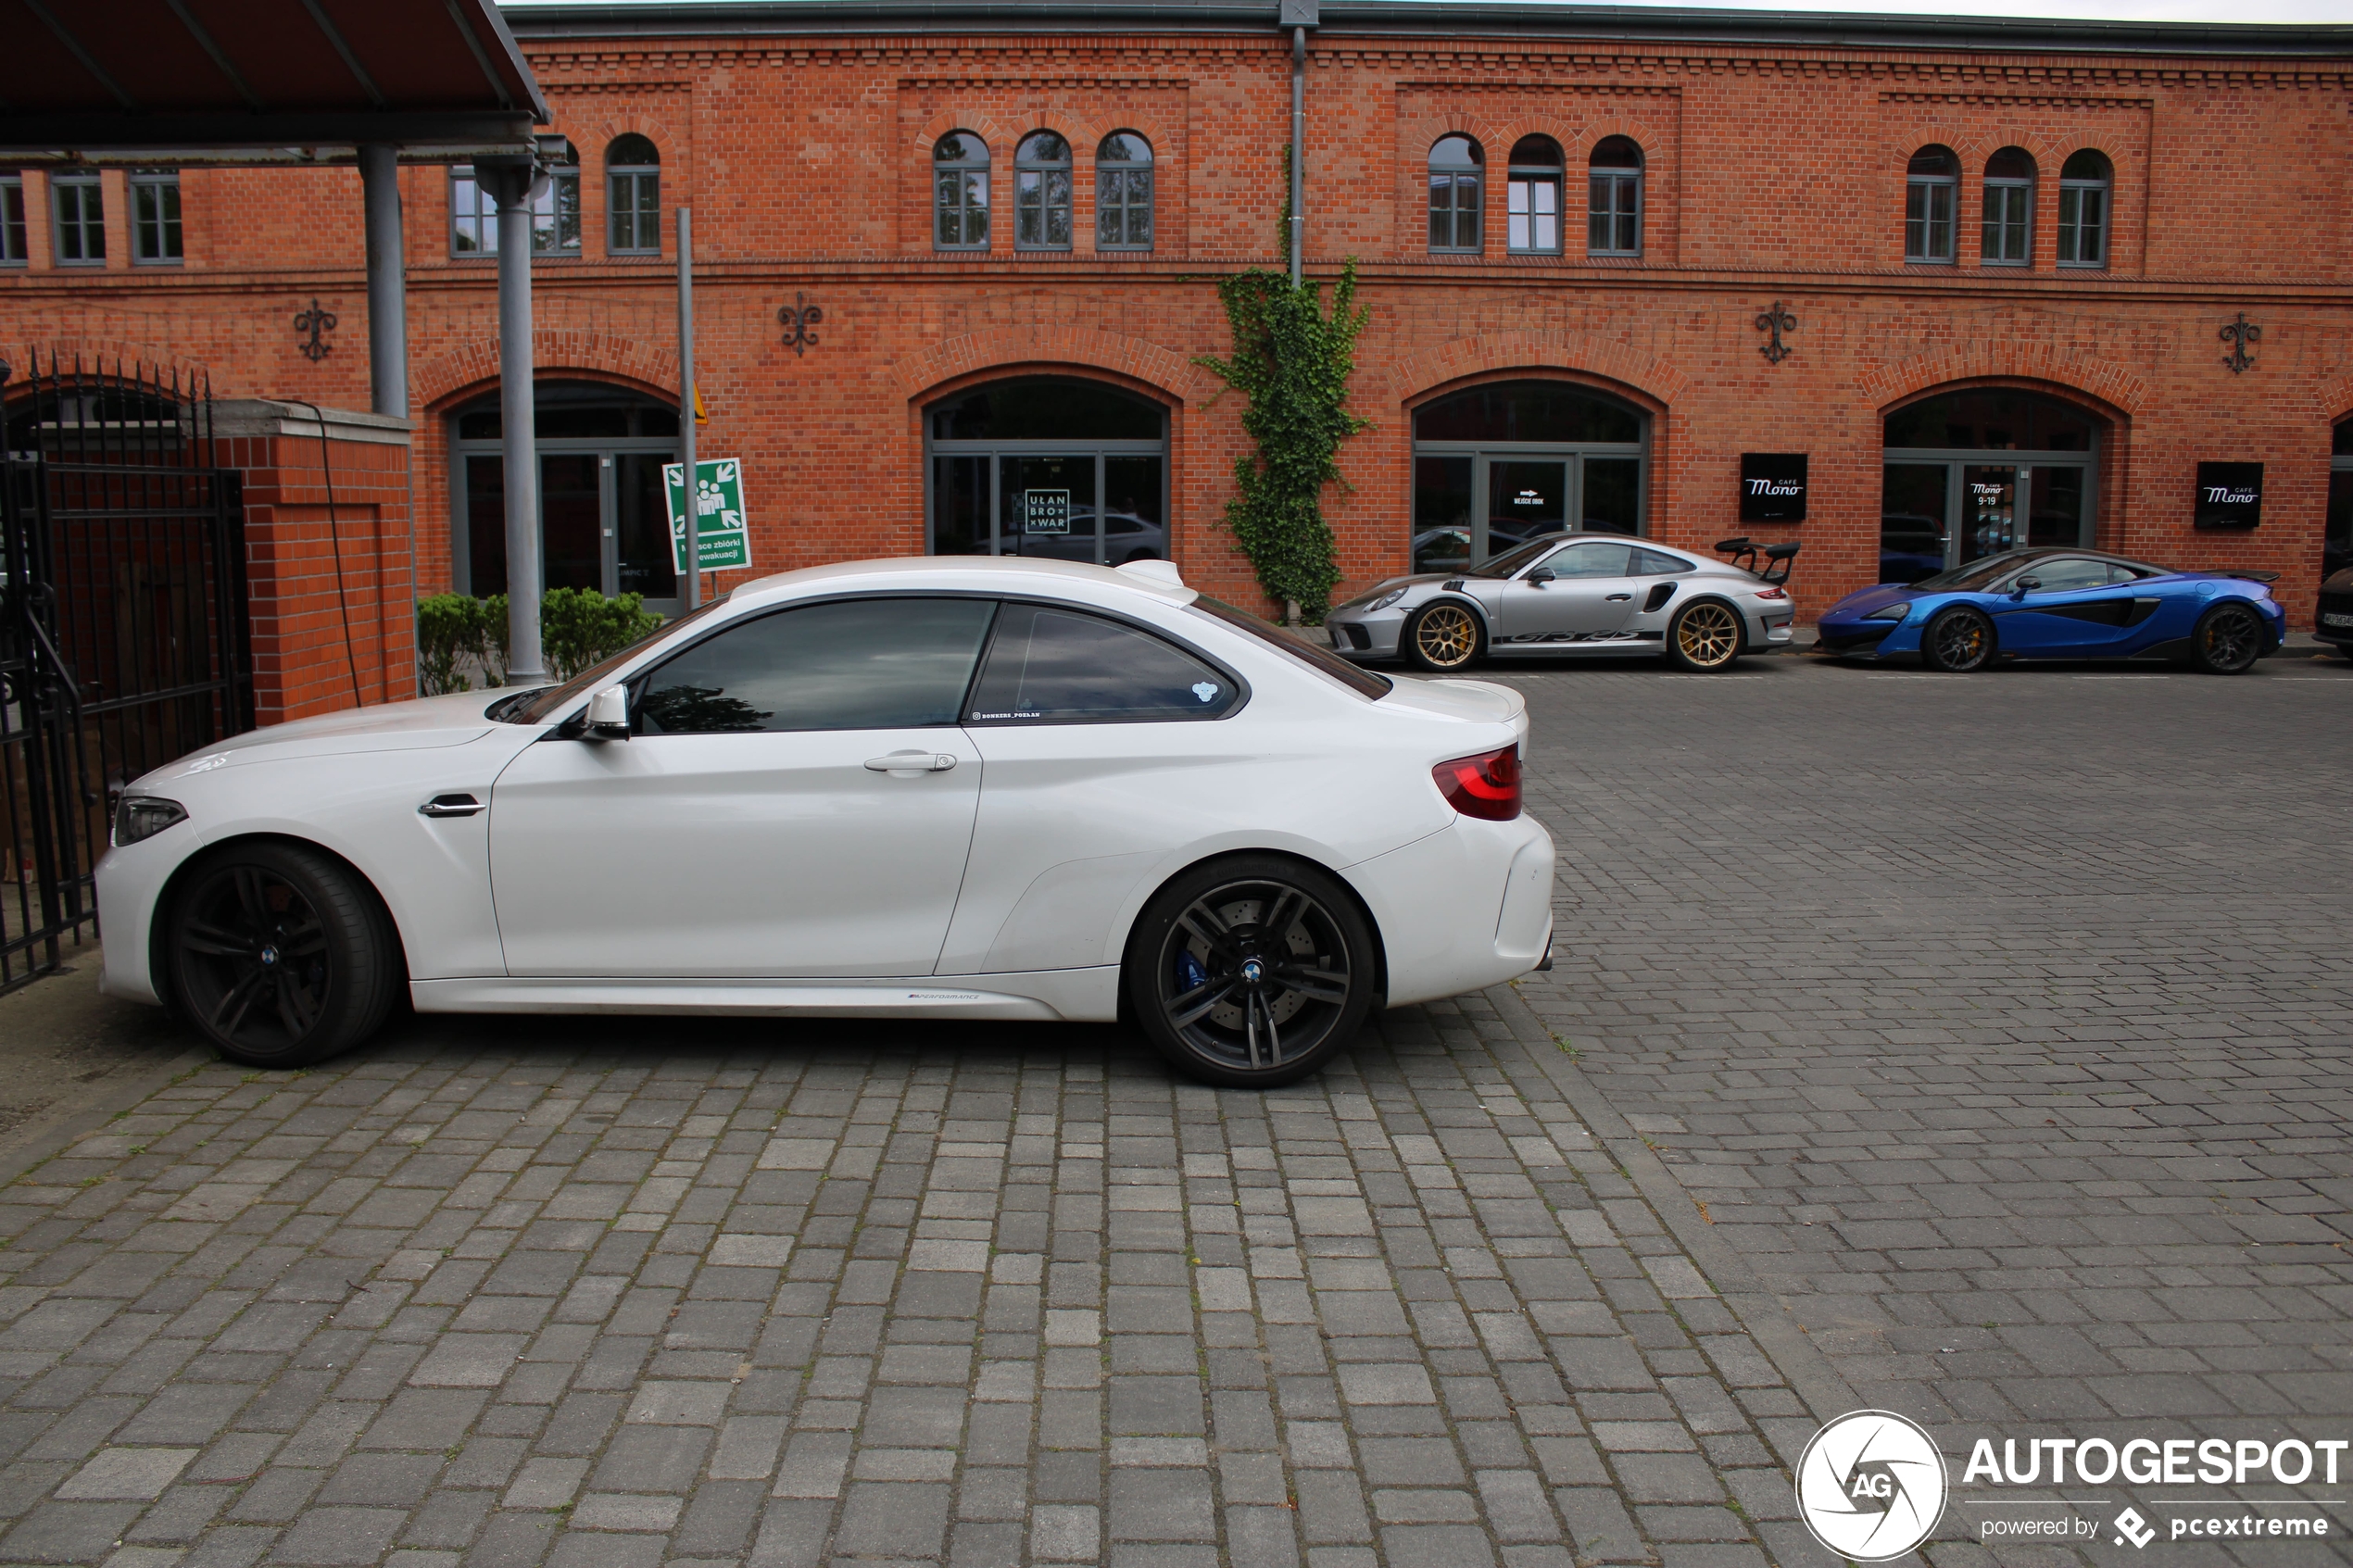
column 1871, row 1485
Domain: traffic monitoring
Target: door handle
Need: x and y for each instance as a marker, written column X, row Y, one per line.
column 911, row 762
column 449, row 805
column 1616, row 598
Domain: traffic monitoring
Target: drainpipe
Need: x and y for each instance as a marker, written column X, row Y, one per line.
column 1298, row 16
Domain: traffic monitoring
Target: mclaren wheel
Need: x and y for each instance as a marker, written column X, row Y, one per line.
column 1958, row 641
column 1445, row 636
column 1251, row 972
column 2227, row 640
column 1704, row 637
column 278, row 954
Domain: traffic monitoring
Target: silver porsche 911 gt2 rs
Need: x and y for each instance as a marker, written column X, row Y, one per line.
column 1577, row 593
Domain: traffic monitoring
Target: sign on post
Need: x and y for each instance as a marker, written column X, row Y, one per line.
column 723, row 533
column 1045, row 511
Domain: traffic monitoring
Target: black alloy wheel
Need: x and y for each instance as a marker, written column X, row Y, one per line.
column 1958, row 641
column 1705, row 637
column 278, row 954
column 2227, row 640
column 1445, row 636
column 1251, row 972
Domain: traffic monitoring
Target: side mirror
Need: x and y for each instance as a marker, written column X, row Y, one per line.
column 609, row 714
column 1540, row 576
column 2026, row 585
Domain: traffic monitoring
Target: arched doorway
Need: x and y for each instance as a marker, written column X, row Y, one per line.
column 1051, row 466
column 1985, row 469
column 603, row 520
column 1497, row 465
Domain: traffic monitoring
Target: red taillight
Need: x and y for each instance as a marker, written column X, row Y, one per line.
column 1485, row 786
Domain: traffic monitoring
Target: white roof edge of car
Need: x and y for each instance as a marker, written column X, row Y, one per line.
column 1161, row 582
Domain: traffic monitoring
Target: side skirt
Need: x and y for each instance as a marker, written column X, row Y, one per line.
column 1067, row 994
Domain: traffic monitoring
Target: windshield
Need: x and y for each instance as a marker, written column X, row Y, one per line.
column 1364, row 682
column 1976, row 574
column 537, row 705
column 1511, row 561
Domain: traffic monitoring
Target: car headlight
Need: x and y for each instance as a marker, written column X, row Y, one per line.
column 1386, row 599
column 1892, row 612
column 144, row 816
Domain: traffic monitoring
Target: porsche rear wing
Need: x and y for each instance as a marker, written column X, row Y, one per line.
column 1742, row 552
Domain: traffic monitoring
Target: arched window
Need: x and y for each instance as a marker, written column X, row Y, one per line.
column 1048, row 467
column 1455, row 186
column 633, row 193
column 1614, row 199
column 1988, row 469
column 2010, row 208
column 1042, row 193
column 2085, row 179
column 1124, row 192
column 1533, row 196
column 960, row 192
column 1502, row 464
column 1929, row 187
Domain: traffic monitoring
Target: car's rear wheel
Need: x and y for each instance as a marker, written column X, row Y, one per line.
column 278, row 954
column 1444, row 637
column 2227, row 640
column 1704, row 637
column 1251, row 972
column 1958, row 641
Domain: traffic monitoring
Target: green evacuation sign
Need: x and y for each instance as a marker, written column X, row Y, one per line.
column 723, row 534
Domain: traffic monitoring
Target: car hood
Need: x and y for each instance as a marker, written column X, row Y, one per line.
column 1877, row 597
column 398, row 726
column 1392, row 584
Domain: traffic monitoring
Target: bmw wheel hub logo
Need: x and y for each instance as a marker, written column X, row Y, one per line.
column 1871, row 1485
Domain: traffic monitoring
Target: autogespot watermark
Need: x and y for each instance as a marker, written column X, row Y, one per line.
column 1872, row 1486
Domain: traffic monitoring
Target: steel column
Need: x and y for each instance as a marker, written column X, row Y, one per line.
column 513, row 184
column 387, row 283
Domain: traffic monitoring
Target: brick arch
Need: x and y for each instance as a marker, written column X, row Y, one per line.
column 2336, row 400
column 1133, row 358
column 666, row 141
column 1415, row 375
column 2037, row 143
column 2102, row 381
column 991, row 129
column 1090, row 134
column 1900, row 150
column 460, row 372
column 1509, row 131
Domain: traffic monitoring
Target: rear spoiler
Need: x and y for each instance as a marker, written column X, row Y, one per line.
column 1742, row 552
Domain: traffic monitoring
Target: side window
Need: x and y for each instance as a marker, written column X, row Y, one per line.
column 2069, row 574
column 1649, row 563
column 852, row 664
column 2119, row 575
column 1592, row 558
column 1052, row 666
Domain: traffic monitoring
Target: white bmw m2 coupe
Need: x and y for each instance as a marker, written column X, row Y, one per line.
column 956, row 788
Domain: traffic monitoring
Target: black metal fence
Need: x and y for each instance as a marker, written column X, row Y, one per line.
column 123, row 635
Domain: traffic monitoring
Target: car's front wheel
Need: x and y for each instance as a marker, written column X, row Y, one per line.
column 278, row 954
column 1704, row 637
column 2227, row 640
column 1251, row 972
column 1958, row 641
column 1445, row 637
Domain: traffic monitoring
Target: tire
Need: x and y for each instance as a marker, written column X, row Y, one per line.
column 1958, row 641
column 1705, row 637
column 278, row 954
column 1445, row 637
column 2227, row 640
column 1189, row 959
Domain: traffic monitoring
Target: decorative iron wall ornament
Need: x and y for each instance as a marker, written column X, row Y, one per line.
column 315, row 324
column 1777, row 321
column 2239, row 334
column 798, row 318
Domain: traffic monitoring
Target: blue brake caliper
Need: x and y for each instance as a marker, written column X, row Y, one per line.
column 1190, row 972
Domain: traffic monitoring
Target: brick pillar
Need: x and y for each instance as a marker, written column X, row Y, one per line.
column 329, row 606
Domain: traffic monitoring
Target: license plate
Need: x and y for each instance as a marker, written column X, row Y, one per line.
column 2335, row 619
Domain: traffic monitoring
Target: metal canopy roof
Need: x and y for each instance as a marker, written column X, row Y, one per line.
column 262, row 80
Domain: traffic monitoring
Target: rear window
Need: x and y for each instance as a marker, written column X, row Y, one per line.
column 1364, row 683
column 1050, row 665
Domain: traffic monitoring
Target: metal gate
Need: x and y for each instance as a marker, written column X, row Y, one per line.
column 123, row 634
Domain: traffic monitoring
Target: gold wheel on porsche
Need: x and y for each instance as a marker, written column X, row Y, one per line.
column 1444, row 637
column 1705, row 637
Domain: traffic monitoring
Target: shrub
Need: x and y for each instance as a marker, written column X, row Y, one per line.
column 579, row 627
column 459, row 636
column 448, row 628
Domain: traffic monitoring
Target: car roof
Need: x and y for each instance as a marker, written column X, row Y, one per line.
column 2044, row 552
column 998, row 574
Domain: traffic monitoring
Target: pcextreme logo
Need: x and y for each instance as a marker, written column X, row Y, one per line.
column 1871, row 1485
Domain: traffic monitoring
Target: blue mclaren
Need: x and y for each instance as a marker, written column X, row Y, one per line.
column 2061, row 604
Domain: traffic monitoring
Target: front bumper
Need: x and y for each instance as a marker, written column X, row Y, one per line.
column 2341, row 633
column 1367, row 634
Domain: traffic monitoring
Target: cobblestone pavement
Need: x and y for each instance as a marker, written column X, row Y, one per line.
column 2001, row 1024
column 1926, row 1048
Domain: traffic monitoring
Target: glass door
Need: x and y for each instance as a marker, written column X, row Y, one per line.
column 1915, row 526
column 1046, row 508
column 571, row 519
column 1613, row 495
column 1525, row 496
column 1989, row 509
column 643, row 558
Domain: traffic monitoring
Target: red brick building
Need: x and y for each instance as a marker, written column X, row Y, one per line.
column 956, row 265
